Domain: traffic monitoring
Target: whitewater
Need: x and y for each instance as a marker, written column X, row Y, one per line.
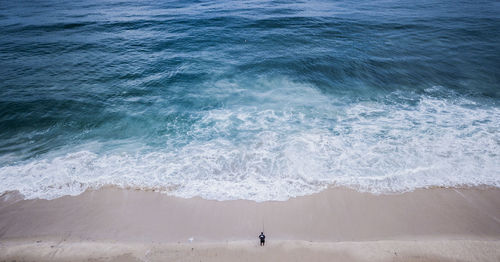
column 257, row 100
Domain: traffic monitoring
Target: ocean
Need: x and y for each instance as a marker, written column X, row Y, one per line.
column 258, row 100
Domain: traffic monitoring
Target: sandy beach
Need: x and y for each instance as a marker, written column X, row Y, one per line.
column 439, row 224
column 180, row 130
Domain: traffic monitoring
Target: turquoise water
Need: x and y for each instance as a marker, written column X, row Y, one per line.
column 260, row 100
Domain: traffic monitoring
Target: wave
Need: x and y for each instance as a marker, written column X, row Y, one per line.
column 294, row 141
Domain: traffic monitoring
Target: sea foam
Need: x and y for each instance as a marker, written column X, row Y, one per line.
column 294, row 141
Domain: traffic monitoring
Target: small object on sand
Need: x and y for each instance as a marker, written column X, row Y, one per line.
column 191, row 239
column 262, row 238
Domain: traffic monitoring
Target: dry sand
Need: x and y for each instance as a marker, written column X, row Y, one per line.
column 389, row 250
column 337, row 224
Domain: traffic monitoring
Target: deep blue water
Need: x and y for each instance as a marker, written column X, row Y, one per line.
column 248, row 99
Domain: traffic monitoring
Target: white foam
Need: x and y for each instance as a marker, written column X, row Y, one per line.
column 292, row 145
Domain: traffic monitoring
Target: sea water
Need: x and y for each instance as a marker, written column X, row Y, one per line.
column 260, row 100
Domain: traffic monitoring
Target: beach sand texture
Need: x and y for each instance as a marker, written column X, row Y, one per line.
column 438, row 224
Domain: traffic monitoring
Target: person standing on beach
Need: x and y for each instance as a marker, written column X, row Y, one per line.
column 262, row 238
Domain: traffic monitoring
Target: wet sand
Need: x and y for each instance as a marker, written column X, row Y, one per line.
column 424, row 225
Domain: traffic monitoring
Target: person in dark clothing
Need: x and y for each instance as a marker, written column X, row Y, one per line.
column 262, row 238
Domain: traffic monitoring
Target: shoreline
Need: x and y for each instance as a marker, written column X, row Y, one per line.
column 337, row 221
